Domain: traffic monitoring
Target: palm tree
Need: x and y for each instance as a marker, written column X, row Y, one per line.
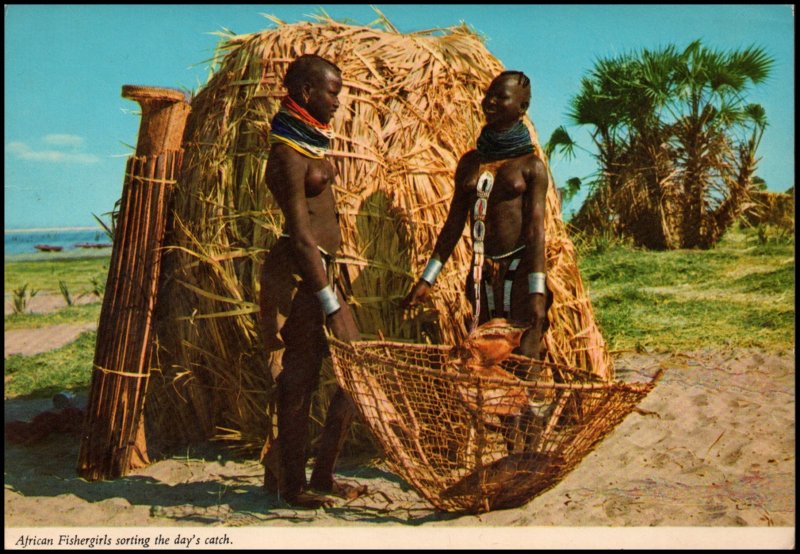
column 712, row 124
column 743, row 181
column 674, row 139
column 622, row 100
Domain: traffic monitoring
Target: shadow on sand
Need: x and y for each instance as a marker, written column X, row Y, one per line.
column 204, row 486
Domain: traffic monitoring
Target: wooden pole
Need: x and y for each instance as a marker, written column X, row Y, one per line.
column 113, row 441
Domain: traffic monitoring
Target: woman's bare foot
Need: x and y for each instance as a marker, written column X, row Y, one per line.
column 339, row 488
column 272, row 469
column 310, row 499
column 270, row 481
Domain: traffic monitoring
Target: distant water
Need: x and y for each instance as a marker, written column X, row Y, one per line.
column 24, row 241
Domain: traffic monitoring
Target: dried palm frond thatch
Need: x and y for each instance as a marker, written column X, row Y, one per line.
column 774, row 208
column 410, row 108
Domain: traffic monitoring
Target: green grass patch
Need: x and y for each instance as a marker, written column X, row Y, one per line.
column 79, row 274
column 776, row 281
column 42, row 375
column 78, row 313
column 739, row 294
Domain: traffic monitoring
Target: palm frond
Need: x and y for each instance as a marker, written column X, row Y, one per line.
column 572, row 188
column 560, row 139
column 753, row 63
column 757, row 114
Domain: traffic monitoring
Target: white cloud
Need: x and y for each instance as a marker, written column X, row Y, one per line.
column 63, row 140
column 25, row 152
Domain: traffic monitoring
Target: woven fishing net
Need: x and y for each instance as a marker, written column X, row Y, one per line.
column 473, row 441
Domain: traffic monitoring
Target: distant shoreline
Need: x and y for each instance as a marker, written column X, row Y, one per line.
column 51, row 230
column 74, row 254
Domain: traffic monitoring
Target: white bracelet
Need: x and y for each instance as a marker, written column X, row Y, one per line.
column 327, row 298
column 536, row 283
column 431, row 271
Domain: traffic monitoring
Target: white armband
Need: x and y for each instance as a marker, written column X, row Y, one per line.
column 536, row 283
column 431, row 271
column 327, row 298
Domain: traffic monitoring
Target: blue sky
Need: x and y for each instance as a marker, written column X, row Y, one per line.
column 67, row 126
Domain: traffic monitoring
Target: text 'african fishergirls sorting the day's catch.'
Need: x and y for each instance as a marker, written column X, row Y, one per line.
column 349, row 282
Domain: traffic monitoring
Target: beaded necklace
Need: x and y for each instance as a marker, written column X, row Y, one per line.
column 501, row 145
column 297, row 128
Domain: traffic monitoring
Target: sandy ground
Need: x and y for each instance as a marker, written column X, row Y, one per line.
column 34, row 341
column 716, row 453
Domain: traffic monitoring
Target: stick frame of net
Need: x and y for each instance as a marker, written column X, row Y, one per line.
column 470, row 443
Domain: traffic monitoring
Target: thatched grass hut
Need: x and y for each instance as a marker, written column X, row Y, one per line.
column 410, row 107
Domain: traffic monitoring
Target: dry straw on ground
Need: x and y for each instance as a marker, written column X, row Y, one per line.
column 410, row 107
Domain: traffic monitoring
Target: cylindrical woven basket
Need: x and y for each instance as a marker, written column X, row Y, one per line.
column 471, row 443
